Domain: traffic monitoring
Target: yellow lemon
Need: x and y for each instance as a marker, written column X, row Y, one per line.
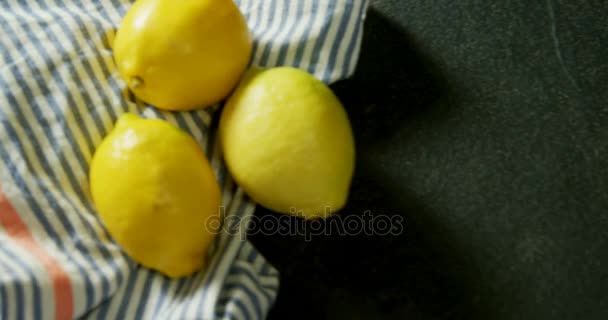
column 156, row 194
column 288, row 142
column 181, row 55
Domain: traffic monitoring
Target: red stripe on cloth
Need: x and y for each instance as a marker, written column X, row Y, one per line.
column 18, row 231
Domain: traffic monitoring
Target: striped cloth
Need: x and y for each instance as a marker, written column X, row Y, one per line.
column 60, row 94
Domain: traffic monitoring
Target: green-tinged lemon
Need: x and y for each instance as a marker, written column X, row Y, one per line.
column 288, row 142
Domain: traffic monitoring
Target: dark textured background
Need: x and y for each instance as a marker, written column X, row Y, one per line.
column 484, row 124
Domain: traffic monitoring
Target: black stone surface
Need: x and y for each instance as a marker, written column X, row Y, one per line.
column 484, row 124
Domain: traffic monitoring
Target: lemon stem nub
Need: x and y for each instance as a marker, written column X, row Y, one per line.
column 135, row 83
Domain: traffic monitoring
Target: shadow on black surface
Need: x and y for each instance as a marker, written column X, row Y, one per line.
column 393, row 82
column 417, row 274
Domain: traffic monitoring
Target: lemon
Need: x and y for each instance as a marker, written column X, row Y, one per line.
column 181, row 55
column 156, row 193
column 288, row 142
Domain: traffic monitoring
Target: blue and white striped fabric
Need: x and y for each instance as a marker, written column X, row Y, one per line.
column 60, row 94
